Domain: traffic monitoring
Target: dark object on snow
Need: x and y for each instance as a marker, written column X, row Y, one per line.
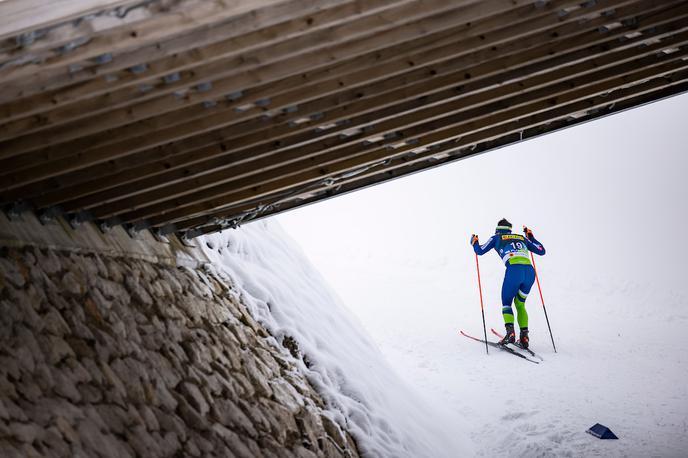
column 601, row 432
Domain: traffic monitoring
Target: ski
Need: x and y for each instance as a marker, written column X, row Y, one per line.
column 518, row 345
column 501, row 347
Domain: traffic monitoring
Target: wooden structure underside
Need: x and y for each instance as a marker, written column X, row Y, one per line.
column 191, row 116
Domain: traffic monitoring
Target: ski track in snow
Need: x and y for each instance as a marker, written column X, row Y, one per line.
column 616, row 365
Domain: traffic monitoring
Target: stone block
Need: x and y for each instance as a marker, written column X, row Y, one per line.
column 333, row 431
column 8, row 450
column 302, row 452
column 191, row 449
column 164, row 398
column 257, row 375
column 194, row 397
column 66, row 387
column 112, row 291
column 282, row 422
column 189, row 414
column 66, row 429
column 24, row 358
column 233, row 441
column 11, row 273
column 286, row 395
column 22, row 307
column 149, row 418
column 55, row 324
column 25, row 432
column 56, row 349
column 170, row 445
column 169, row 422
column 112, row 378
column 74, row 284
column 230, row 415
column 89, row 393
column 53, row 441
column 137, row 291
column 28, row 389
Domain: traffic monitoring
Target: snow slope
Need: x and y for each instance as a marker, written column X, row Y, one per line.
column 617, row 364
column 607, row 199
column 364, row 394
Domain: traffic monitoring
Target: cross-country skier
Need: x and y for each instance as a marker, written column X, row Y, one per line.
column 519, row 276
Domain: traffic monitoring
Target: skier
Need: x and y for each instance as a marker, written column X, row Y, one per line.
column 519, row 276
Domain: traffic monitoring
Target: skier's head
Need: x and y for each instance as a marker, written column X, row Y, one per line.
column 503, row 226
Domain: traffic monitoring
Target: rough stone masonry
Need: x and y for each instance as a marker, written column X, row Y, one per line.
column 105, row 355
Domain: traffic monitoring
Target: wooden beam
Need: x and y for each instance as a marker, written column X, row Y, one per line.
column 279, row 203
column 184, row 16
column 447, row 38
column 94, row 156
column 357, row 35
column 35, row 45
column 426, row 133
column 90, row 77
column 511, row 133
column 32, row 124
column 60, row 86
column 472, row 94
column 408, row 95
column 20, row 16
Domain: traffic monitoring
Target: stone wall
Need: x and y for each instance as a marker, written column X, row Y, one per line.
column 116, row 356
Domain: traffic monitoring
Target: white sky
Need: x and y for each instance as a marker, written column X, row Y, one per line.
column 607, row 199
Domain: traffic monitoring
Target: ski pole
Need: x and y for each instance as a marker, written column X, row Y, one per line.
column 537, row 279
column 482, row 309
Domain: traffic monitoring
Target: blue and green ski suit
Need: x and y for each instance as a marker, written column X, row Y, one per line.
column 514, row 250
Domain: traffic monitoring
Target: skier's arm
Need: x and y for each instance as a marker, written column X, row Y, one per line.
column 535, row 246
column 482, row 249
column 532, row 244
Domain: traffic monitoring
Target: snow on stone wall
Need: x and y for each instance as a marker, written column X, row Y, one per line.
column 114, row 356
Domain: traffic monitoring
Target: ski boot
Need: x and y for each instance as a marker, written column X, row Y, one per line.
column 510, row 336
column 523, row 339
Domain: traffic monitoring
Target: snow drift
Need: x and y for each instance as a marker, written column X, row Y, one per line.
column 363, row 393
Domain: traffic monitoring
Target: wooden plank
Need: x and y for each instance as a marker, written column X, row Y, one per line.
column 420, row 74
column 99, row 123
column 46, row 43
column 61, row 86
column 426, row 133
column 655, row 88
column 472, row 94
column 54, row 39
column 19, row 16
column 475, row 85
column 370, row 38
column 278, row 203
column 183, row 17
column 371, row 29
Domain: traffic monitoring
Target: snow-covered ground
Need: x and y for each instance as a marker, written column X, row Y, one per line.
column 621, row 362
column 607, row 199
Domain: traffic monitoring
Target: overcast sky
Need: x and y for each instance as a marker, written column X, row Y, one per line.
column 607, row 199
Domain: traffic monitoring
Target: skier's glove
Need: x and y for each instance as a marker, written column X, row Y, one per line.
column 474, row 239
column 528, row 233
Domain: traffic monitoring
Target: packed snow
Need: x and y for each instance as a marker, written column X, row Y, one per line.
column 607, row 200
column 284, row 292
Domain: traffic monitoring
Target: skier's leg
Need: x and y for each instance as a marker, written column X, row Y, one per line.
column 521, row 313
column 509, row 289
column 528, row 279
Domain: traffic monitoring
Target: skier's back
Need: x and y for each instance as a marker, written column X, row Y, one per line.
column 514, row 251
